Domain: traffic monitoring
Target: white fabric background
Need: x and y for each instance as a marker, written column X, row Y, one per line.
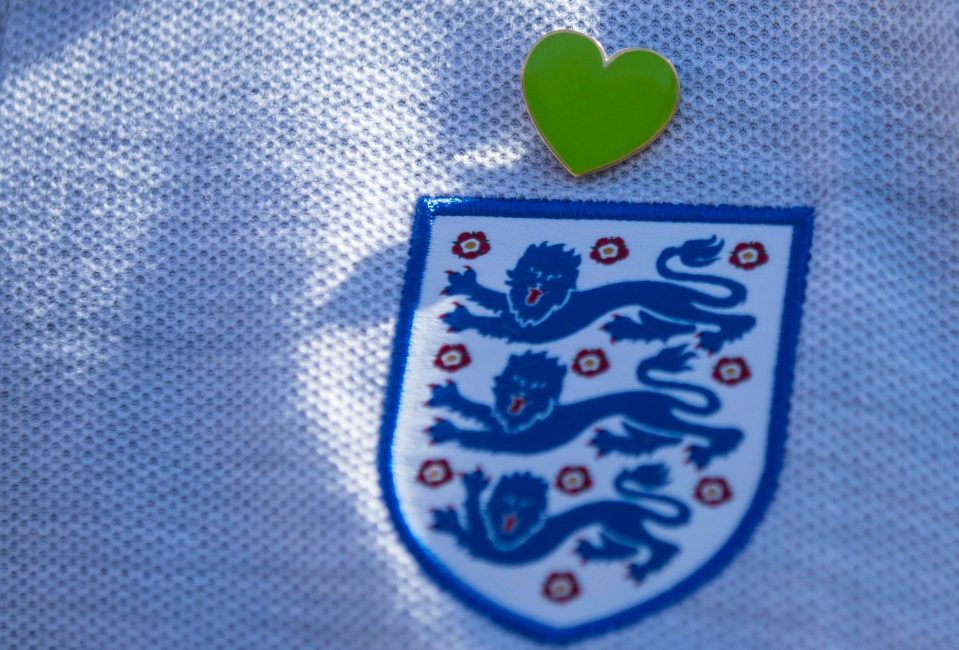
column 204, row 213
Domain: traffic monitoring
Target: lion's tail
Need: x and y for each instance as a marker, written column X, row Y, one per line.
column 675, row 359
column 699, row 253
column 637, row 483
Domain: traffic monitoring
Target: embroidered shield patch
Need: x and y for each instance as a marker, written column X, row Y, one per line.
column 587, row 404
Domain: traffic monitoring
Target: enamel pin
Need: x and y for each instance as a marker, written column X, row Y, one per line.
column 593, row 111
column 587, row 405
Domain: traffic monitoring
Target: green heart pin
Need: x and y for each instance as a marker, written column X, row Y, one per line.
column 591, row 111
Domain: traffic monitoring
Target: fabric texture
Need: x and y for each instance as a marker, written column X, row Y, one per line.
column 204, row 215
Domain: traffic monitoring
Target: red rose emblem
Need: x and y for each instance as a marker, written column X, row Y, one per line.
column 452, row 357
column 573, row 480
column 590, row 363
column 470, row 245
column 731, row 371
column 749, row 255
column 713, row 491
column 434, row 473
column 561, row 587
column 609, row 250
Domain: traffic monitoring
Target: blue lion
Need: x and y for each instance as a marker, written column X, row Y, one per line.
column 513, row 527
column 526, row 391
column 526, row 416
column 543, row 303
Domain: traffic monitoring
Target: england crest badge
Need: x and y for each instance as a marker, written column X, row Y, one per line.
column 587, row 405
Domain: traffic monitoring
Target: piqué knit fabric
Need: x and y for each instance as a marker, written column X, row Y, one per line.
column 205, row 209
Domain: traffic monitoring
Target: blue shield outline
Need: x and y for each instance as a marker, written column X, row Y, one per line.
column 800, row 218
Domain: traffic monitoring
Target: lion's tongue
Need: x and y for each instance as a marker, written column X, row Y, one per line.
column 509, row 523
column 517, row 405
column 533, row 296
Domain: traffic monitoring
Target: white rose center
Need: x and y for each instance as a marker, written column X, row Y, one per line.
column 573, row 481
column 712, row 492
column 560, row 588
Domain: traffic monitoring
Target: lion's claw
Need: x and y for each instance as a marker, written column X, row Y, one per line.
column 443, row 394
column 604, row 442
column 699, row 456
column 620, row 328
column 461, row 283
column 442, row 431
column 446, row 520
column 458, row 319
column 476, row 480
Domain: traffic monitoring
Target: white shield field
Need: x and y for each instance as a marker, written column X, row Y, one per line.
column 572, row 438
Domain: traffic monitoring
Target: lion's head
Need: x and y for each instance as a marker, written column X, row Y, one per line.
column 527, row 390
column 541, row 281
column 516, row 508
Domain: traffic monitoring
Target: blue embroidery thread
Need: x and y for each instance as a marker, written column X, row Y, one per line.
column 513, row 527
column 526, row 417
column 543, row 304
